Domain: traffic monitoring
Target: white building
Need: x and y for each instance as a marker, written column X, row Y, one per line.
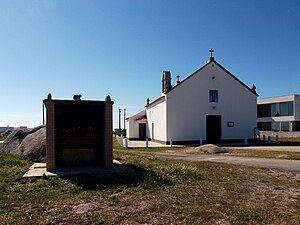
column 6, row 129
column 211, row 105
column 279, row 113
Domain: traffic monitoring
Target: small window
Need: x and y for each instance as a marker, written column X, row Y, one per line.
column 213, row 96
column 230, row 124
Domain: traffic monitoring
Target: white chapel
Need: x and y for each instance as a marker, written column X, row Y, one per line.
column 211, row 105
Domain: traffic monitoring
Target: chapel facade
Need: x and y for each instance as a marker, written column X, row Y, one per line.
column 211, row 106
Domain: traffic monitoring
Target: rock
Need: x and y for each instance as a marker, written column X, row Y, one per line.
column 31, row 144
column 12, row 142
column 34, row 145
column 211, row 149
column 84, row 208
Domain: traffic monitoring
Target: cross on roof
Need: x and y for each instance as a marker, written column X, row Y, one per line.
column 211, row 52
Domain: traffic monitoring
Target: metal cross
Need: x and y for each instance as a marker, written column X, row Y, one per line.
column 211, row 52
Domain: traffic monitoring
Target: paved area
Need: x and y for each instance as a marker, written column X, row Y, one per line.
column 282, row 164
column 291, row 165
column 39, row 170
column 269, row 148
column 141, row 144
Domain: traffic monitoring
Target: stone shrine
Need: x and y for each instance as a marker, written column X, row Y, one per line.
column 78, row 133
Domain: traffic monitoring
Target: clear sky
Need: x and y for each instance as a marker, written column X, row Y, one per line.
column 121, row 47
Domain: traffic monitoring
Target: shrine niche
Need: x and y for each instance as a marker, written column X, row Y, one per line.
column 79, row 132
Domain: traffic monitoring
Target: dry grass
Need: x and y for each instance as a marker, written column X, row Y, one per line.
column 160, row 192
column 265, row 154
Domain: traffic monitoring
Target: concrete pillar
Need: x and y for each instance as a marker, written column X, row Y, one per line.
column 50, row 135
column 126, row 142
column 269, row 139
column 108, row 155
column 122, row 140
column 171, row 143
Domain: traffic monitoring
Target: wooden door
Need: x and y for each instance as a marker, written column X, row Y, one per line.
column 142, row 131
column 213, row 129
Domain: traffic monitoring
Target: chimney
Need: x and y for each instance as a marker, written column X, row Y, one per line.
column 166, row 82
column 178, row 81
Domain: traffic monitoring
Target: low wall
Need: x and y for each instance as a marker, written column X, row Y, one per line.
column 282, row 136
column 120, row 140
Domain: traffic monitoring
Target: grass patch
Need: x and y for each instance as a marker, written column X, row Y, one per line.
column 12, row 169
column 116, row 145
column 161, row 191
column 265, row 154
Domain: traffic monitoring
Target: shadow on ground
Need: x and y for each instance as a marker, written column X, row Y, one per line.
column 137, row 177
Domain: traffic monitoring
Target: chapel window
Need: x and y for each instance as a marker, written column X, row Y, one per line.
column 213, row 96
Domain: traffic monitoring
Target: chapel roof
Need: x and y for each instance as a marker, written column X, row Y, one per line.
column 210, row 61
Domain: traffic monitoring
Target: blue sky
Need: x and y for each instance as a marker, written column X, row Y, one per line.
column 121, row 47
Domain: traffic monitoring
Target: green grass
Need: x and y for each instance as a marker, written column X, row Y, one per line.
column 11, row 170
column 116, row 145
column 160, row 191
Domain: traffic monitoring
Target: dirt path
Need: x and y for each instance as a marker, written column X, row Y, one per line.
column 290, row 165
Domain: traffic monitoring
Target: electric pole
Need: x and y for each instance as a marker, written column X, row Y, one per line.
column 124, row 119
column 119, row 119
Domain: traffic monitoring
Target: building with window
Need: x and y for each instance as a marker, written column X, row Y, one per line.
column 211, row 105
column 279, row 113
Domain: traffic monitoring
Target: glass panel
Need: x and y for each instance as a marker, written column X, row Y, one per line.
column 285, row 126
column 264, row 126
column 264, row 110
column 286, row 109
column 213, row 96
column 291, row 108
column 273, row 110
column 275, row 126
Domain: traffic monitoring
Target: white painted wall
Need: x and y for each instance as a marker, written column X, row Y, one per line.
column 132, row 126
column 276, row 119
column 156, row 114
column 188, row 105
column 286, row 98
